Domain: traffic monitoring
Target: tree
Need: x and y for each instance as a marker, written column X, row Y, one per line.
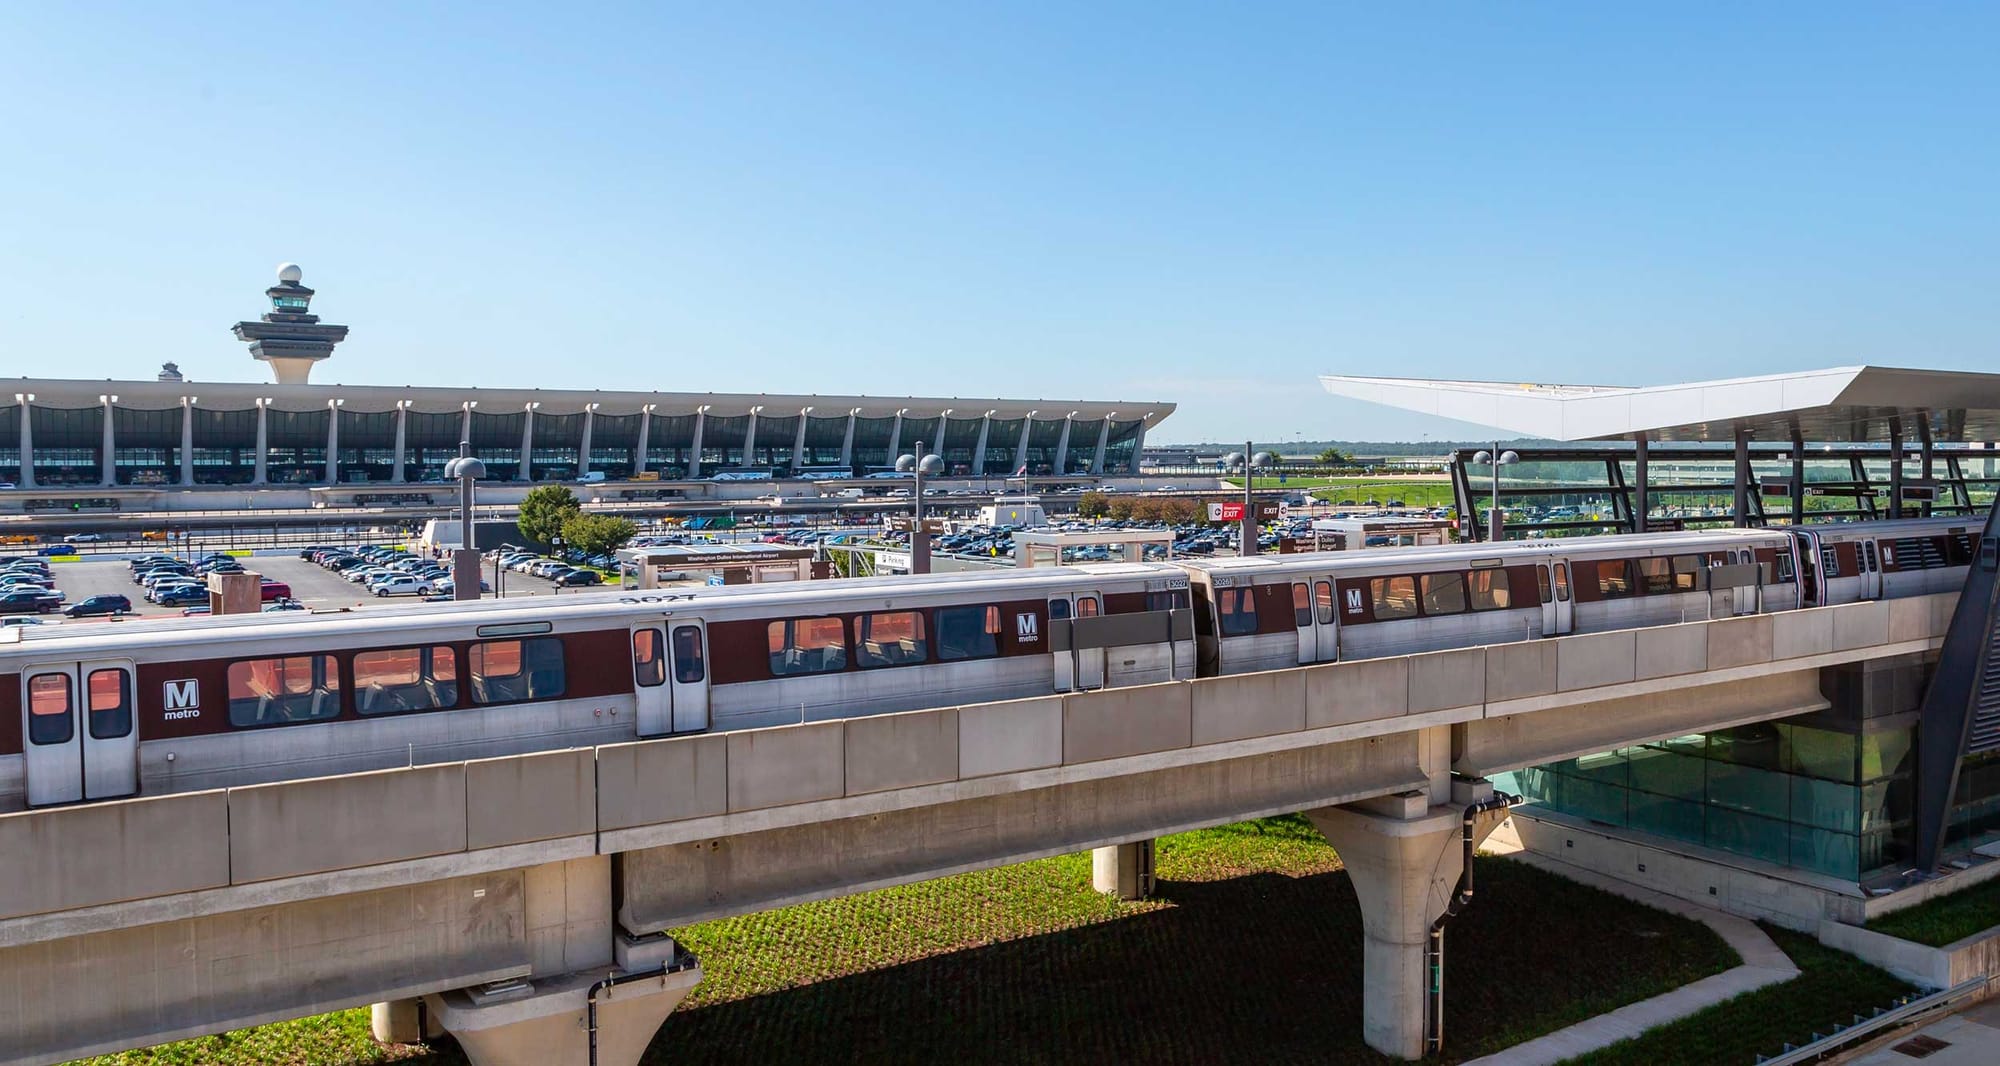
column 1334, row 457
column 1093, row 504
column 597, row 534
column 544, row 510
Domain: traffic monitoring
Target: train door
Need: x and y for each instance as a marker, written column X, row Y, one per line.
column 1326, row 632
column 654, row 696
column 1089, row 661
column 1558, row 606
column 1805, row 547
column 1064, row 661
column 79, row 725
column 687, row 664
column 1302, row 620
column 1869, row 563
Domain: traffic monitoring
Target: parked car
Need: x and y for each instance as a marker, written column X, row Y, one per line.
column 84, row 538
column 269, row 590
column 578, row 577
column 182, row 596
column 402, row 585
column 284, row 604
column 448, row 588
column 101, row 604
column 25, row 602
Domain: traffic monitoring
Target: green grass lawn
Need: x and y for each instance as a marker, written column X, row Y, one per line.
column 1944, row 919
column 1249, row 952
column 1432, row 493
column 1832, row 987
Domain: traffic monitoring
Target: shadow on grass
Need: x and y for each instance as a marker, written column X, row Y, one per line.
column 1259, row 968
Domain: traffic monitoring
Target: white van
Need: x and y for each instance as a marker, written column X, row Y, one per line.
column 849, row 494
column 595, row 477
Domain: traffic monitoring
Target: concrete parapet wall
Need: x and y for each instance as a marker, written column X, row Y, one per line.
column 1010, row 737
column 108, row 991
column 1114, row 723
column 1248, row 705
column 787, row 764
column 335, row 823
column 1346, row 693
column 901, row 750
column 85, row 856
column 662, row 780
column 524, row 798
column 1442, row 679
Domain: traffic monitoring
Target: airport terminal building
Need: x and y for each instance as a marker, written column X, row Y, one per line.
column 173, row 433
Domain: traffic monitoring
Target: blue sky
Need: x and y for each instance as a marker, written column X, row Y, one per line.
column 1207, row 204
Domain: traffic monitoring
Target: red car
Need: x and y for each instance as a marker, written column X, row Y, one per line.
column 274, row 590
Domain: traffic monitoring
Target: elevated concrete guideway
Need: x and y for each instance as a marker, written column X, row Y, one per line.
column 192, row 913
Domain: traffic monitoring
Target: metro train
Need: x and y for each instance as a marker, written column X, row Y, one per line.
column 107, row 710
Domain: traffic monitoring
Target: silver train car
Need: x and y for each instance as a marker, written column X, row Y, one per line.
column 105, row 710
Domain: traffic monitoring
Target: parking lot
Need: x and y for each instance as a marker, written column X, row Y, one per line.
column 311, row 585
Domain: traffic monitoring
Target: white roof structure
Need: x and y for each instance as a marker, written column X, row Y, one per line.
column 1851, row 403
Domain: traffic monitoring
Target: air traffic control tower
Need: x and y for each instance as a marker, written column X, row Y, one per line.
column 289, row 337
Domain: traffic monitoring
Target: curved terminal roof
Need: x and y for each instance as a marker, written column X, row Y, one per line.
column 1850, row 403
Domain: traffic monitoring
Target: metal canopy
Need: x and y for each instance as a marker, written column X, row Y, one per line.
column 1854, row 403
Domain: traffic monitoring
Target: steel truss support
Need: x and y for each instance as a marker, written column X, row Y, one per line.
column 1961, row 710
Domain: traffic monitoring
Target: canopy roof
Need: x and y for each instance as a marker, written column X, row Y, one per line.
column 1850, row 403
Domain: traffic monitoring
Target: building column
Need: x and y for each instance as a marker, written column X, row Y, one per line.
column 1895, row 467
column 645, row 435
column 187, row 441
column 396, row 472
column 1798, row 476
column 1741, row 506
column 847, row 444
column 1403, row 857
column 896, row 439
column 27, row 442
column 1061, row 465
column 1103, row 441
column 465, row 425
column 1123, row 870
column 333, row 442
column 694, row 446
column 526, row 471
column 937, row 441
column 750, row 440
column 1138, row 446
column 799, row 440
column 108, row 468
column 260, row 470
column 1021, row 449
column 583, row 446
column 978, row 446
column 1640, row 491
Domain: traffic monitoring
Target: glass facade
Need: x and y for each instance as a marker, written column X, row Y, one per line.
column 1003, row 438
column 295, row 442
column 613, row 441
column 1817, row 799
column 961, row 435
column 496, row 441
column 225, row 447
column 775, row 437
column 824, row 437
column 558, row 439
column 668, row 444
column 147, row 449
column 722, row 443
column 1042, row 441
column 430, row 440
column 871, row 443
column 367, row 446
column 1121, row 452
column 1082, row 445
column 69, row 443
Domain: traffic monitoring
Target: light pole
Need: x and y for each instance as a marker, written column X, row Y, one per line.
column 919, row 468
column 1249, row 462
column 1498, row 459
column 465, row 558
column 555, row 552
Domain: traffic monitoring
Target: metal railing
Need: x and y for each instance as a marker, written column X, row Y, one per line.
column 1907, row 1009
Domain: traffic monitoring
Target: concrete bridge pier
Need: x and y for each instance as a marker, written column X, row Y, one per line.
column 1123, row 870
column 590, row 1018
column 1403, row 856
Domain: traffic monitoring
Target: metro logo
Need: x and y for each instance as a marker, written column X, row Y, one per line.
column 182, row 698
column 1027, row 627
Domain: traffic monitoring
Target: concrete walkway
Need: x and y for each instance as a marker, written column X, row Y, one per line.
column 1763, row 964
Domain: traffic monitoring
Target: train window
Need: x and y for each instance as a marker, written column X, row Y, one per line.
column 1058, row 609
column 1237, row 608
column 649, row 659
column 293, row 688
column 392, row 680
column 1542, row 583
column 1086, row 607
column 892, row 638
column 1302, row 607
column 1687, row 573
column 1656, row 574
column 1323, row 599
column 1785, row 575
column 1614, row 578
column 1868, row 560
column 1394, row 597
column 1562, row 582
column 968, row 633
column 1444, row 593
column 1170, row 600
column 807, row 646
column 49, row 717
column 1487, row 590
column 109, row 695
column 688, row 668
column 1829, row 562
column 505, row 671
